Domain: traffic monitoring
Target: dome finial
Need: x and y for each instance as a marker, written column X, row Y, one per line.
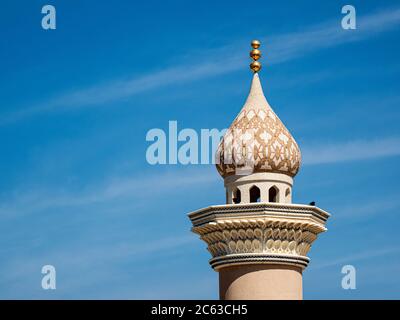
column 255, row 54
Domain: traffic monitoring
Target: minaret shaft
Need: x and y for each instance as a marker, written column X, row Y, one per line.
column 261, row 282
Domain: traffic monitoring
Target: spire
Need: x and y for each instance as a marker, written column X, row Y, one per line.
column 256, row 98
column 271, row 146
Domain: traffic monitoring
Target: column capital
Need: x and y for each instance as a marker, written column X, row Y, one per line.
column 259, row 233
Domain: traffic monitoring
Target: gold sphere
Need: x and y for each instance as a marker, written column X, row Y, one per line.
column 255, row 54
column 255, row 44
column 255, row 66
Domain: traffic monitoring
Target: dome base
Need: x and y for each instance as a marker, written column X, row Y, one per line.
column 259, row 187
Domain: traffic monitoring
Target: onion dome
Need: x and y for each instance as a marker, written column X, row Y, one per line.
column 257, row 137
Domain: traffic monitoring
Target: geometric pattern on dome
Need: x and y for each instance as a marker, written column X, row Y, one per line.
column 260, row 137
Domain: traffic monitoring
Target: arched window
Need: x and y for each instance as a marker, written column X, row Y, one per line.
column 287, row 193
column 237, row 196
column 273, row 194
column 255, row 194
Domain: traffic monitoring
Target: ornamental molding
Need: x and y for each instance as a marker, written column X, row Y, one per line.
column 255, row 210
column 254, row 234
column 243, row 259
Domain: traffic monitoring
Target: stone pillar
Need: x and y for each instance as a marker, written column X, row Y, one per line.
column 260, row 282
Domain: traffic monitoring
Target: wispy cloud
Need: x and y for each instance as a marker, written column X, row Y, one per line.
column 351, row 259
column 289, row 46
column 118, row 89
column 28, row 201
column 365, row 209
column 282, row 48
column 94, row 262
column 116, row 188
column 350, row 151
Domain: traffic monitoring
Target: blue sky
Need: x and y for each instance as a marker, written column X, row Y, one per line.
column 76, row 191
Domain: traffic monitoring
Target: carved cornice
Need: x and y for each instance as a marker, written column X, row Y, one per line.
column 256, row 209
column 259, row 233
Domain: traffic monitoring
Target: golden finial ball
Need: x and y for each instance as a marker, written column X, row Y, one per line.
column 255, row 66
column 255, row 44
column 255, row 54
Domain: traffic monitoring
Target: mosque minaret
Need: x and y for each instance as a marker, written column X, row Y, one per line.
column 259, row 239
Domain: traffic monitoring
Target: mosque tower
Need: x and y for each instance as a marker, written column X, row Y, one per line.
column 259, row 239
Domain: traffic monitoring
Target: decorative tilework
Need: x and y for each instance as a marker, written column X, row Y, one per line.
column 258, row 138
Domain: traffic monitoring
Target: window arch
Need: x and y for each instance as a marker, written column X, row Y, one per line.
column 273, row 194
column 237, row 196
column 255, row 194
column 287, row 193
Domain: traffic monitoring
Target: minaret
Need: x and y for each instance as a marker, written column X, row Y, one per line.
column 259, row 239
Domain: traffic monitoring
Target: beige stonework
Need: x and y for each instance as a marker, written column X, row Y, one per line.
column 251, row 282
column 264, row 180
column 256, row 233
